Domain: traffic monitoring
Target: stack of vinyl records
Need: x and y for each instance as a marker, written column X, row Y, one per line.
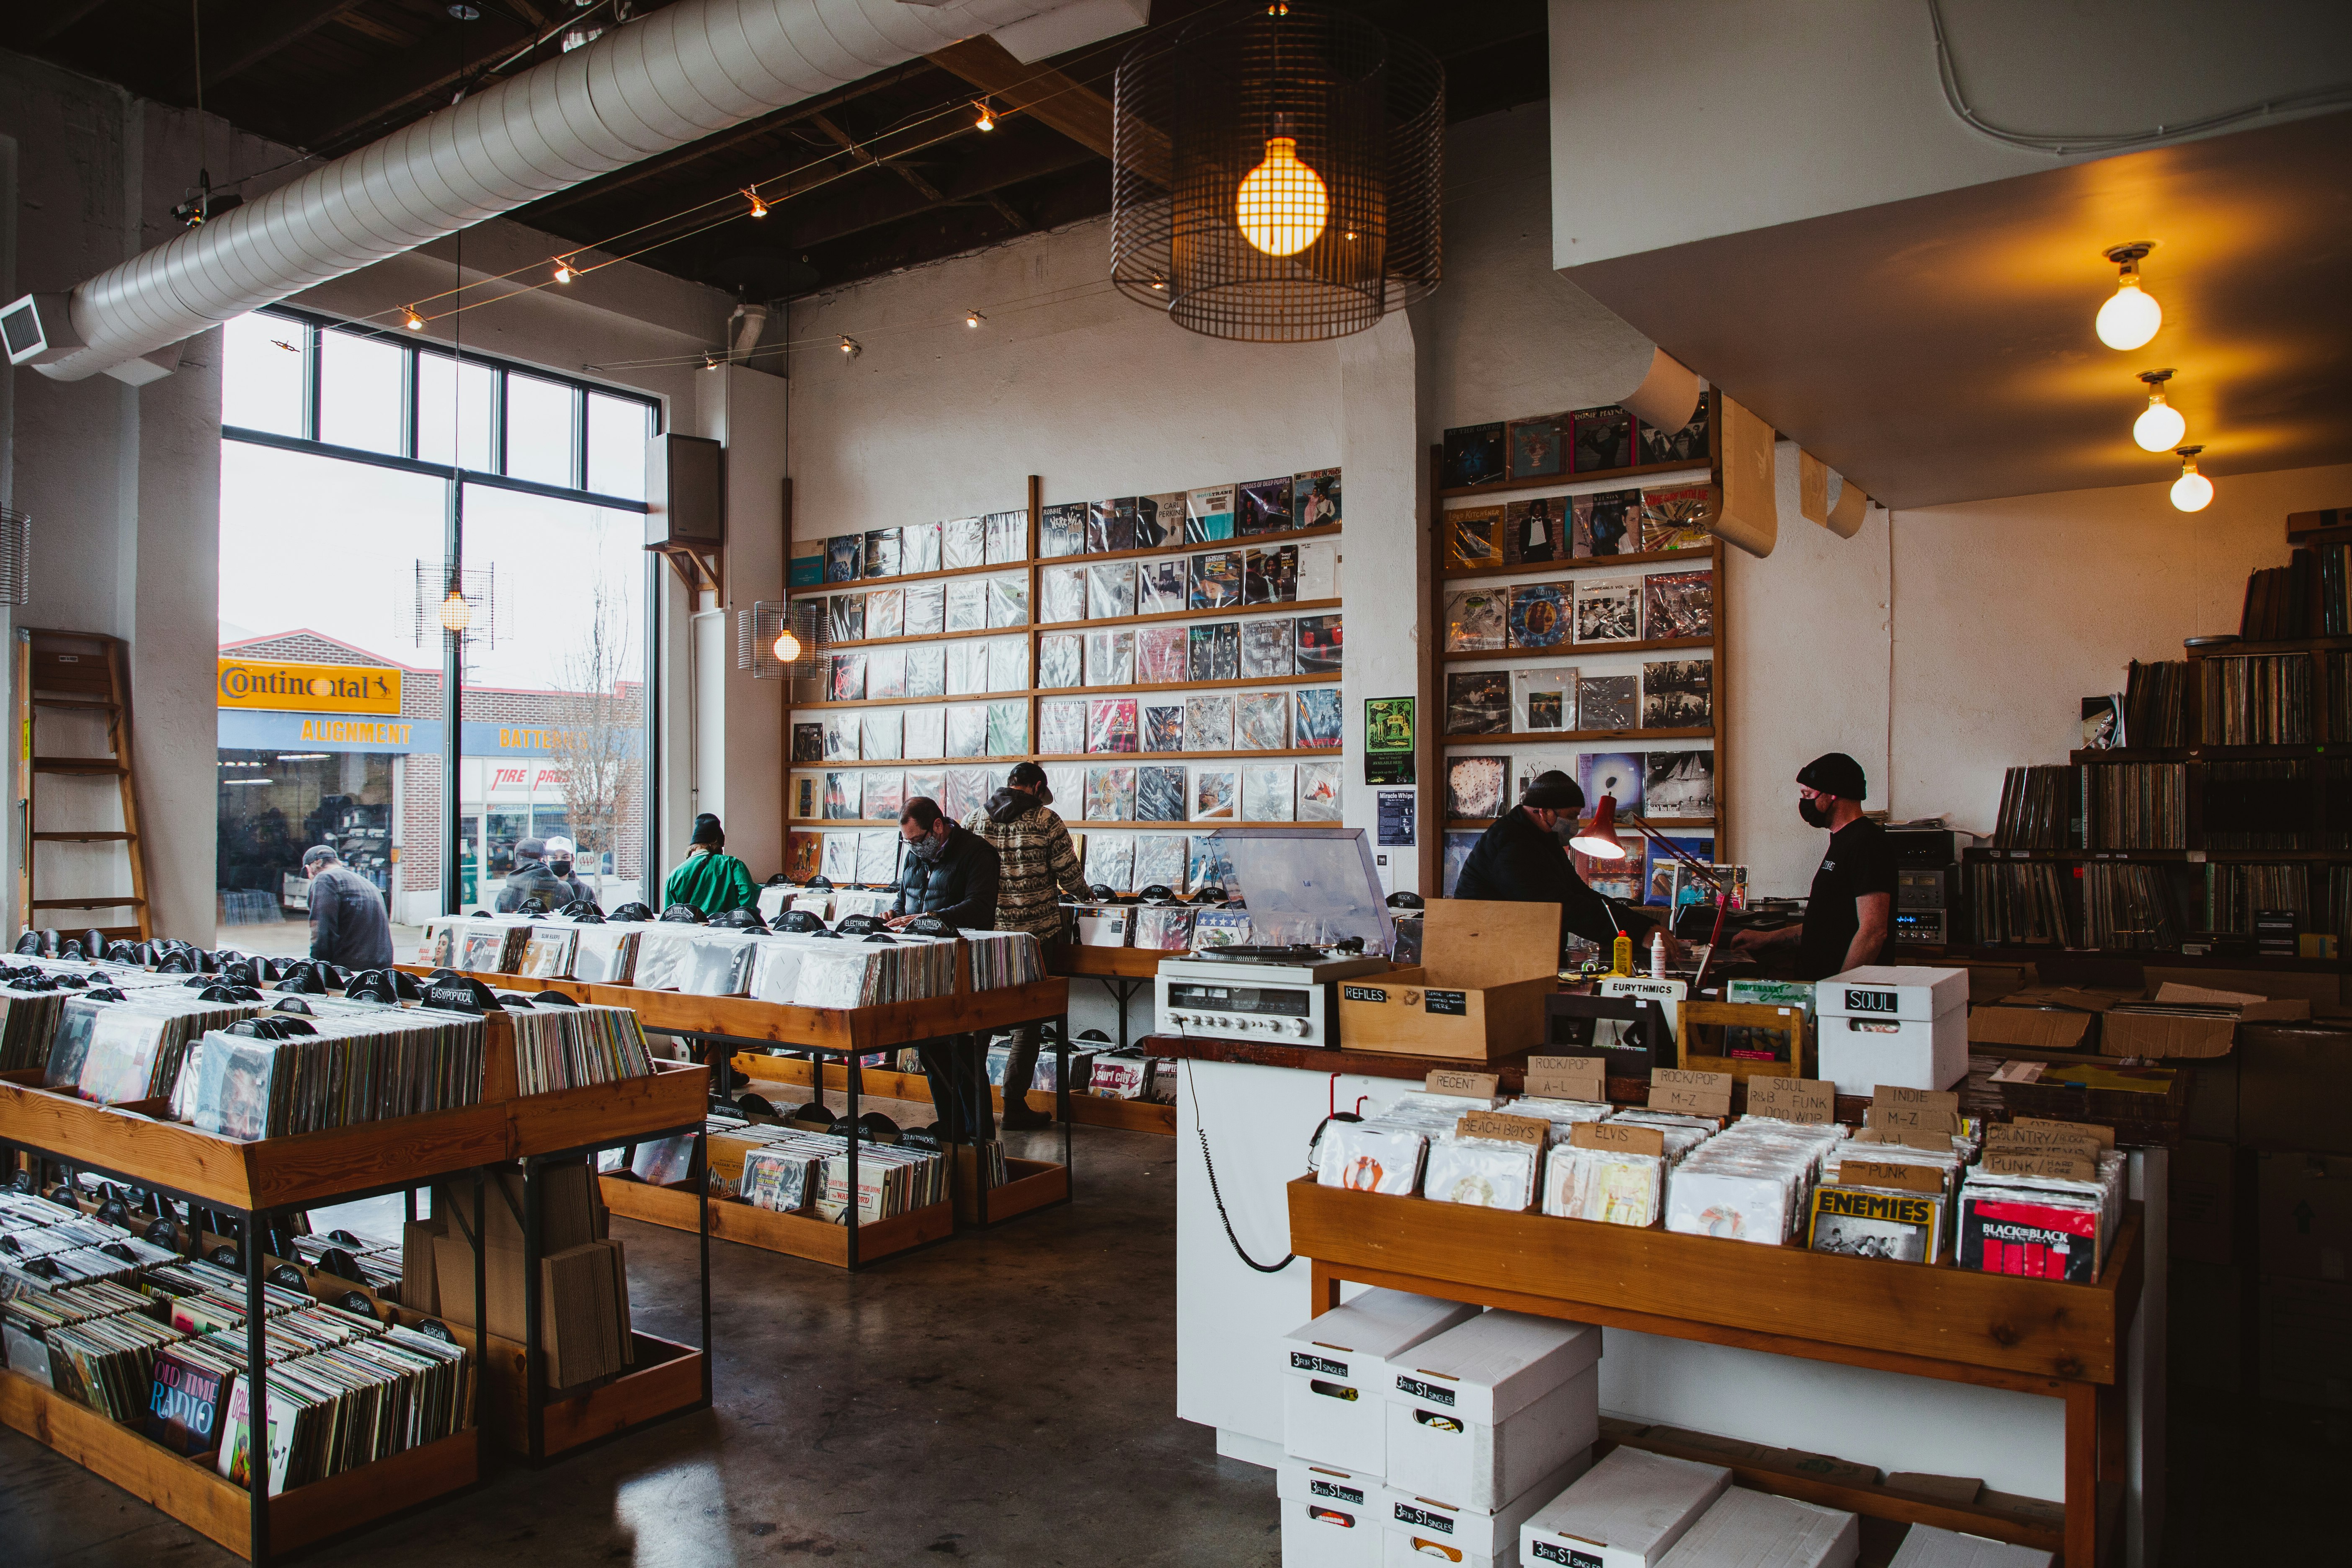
column 29, row 1023
column 486, row 946
column 2261, row 700
column 2047, row 1228
column 2127, row 906
column 1749, row 1182
column 1866, row 1220
column 2017, row 903
column 717, row 964
column 105, row 1361
column 1167, row 928
column 569, row 1048
column 834, row 972
column 26, row 1321
column 1002, row 958
column 2156, row 704
column 605, row 954
column 546, row 952
column 335, row 1406
column 364, row 1063
column 378, row 1260
column 213, row 1291
column 2041, row 808
column 2258, row 804
column 2139, row 805
column 794, row 1171
column 133, row 1049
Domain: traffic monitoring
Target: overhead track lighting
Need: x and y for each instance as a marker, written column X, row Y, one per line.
column 2129, row 319
column 563, row 273
column 2159, row 426
column 2192, row 491
column 410, row 319
column 758, row 208
column 987, row 121
column 973, row 318
column 852, row 348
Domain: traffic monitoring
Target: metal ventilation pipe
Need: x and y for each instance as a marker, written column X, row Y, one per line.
column 665, row 79
column 750, row 320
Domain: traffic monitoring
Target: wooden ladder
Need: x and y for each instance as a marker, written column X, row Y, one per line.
column 89, row 673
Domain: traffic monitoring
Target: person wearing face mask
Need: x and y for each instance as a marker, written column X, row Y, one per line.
column 560, row 857
column 951, row 874
column 1523, row 859
column 1852, row 908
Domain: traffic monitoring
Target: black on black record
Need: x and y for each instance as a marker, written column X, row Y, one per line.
column 554, row 999
column 23, row 1182
column 226, row 1257
column 357, row 1301
column 164, row 1232
column 436, row 1329
column 286, row 1274
column 30, row 943
column 339, row 1263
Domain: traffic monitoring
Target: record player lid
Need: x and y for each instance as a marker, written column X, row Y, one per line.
column 1312, row 887
column 1243, row 953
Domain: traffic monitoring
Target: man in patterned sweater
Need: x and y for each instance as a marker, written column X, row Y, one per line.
column 1036, row 864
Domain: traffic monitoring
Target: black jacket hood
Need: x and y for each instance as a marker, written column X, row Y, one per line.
column 1007, row 804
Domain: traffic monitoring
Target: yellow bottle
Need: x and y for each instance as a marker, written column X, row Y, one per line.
column 1621, row 955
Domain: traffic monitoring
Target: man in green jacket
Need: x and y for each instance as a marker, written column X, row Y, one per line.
column 709, row 878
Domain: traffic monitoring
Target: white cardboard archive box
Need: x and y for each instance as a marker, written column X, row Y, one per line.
column 1927, row 1547
column 1330, row 1517
column 1627, row 1512
column 1335, row 1367
column 1420, row 1528
column 1893, row 1023
column 1757, row 1530
column 1486, row 1410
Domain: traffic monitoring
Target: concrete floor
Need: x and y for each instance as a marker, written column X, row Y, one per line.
column 1004, row 1398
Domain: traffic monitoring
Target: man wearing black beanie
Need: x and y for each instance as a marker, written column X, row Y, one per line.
column 1852, row 908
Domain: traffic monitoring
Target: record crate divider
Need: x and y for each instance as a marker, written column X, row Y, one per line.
column 249, row 1182
column 848, row 1035
column 2065, row 1342
column 2326, row 677
column 1434, row 742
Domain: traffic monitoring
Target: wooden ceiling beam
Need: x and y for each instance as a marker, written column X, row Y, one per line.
column 1050, row 97
column 59, row 19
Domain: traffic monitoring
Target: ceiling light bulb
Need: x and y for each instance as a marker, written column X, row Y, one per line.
column 1282, row 204
column 851, row 347
column 709, row 362
column 456, row 614
column 411, row 321
column 2159, row 426
column 758, row 208
column 788, row 649
column 973, row 318
column 987, row 121
column 2129, row 319
column 562, row 270
column 2192, row 491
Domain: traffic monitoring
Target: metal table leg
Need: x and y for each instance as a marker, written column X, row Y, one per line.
column 856, row 1085
column 257, row 1410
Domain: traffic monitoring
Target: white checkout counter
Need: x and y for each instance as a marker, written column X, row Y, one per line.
column 1258, row 1120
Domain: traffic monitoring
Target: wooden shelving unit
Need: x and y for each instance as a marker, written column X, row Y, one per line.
column 2031, row 1336
column 1032, row 568
column 1435, row 742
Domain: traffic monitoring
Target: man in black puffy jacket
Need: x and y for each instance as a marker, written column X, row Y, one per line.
column 348, row 924
column 952, row 874
column 1523, row 859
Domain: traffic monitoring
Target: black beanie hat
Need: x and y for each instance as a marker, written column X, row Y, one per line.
column 1553, row 791
column 1835, row 774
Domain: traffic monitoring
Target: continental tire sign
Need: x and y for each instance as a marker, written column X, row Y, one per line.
column 309, row 687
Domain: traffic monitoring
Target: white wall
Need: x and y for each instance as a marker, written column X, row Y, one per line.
column 1678, row 122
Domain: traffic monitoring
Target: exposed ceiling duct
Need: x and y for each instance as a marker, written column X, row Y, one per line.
column 671, row 78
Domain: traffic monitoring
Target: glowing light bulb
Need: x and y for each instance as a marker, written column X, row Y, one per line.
column 563, row 273
column 2131, row 318
column 758, row 208
column 2192, row 491
column 788, row 649
column 411, row 321
column 456, row 614
column 2159, row 426
column 987, row 121
column 851, row 347
column 973, row 318
column 1282, row 204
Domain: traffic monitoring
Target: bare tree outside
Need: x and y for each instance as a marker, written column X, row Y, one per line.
column 596, row 722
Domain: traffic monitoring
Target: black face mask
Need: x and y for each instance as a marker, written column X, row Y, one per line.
column 1813, row 813
column 926, row 847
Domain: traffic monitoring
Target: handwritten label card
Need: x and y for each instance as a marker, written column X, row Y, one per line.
column 1568, row 1077
column 1470, row 1085
column 1618, row 1137
column 1793, row 1099
column 1693, row 1093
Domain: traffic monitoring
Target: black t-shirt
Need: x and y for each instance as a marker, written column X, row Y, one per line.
column 1859, row 861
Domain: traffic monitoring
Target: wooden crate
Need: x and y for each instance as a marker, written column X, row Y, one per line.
column 1028, row 1185
column 2009, row 1332
column 192, row 1492
column 1117, row 962
column 1086, row 1110
column 795, row 1234
column 676, row 1094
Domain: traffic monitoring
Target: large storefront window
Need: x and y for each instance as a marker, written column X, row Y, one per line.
column 338, row 508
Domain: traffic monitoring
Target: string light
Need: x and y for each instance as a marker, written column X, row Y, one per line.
column 410, row 319
column 2192, row 491
column 563, row 273
column 2159, row 426
column 2131, row 317
column 987, row 121
column 973, row 318
column 758, row 208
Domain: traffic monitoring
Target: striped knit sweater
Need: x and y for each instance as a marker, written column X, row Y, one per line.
column 1035, row 860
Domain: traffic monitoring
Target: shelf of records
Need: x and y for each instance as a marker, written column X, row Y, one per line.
column 2044, row 1201
column 1576, row 533
column 1182, row 656
column 138, row 1371
column 1305, row 573
column 814, row 970
column 1124, row 525
column 1634, row 613
column 1585, row 443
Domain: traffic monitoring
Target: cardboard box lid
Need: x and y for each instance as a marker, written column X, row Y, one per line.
column 1469, row 1530
column 2271, row 982
column 1927, row 1547
column 1494, row 1365
column 2042, row 1028
column 2251, row 1007
column 1760, row 1529
column 1346, row 1343
column 1918, row 991
column 1634, row 1501
column 1350, row 1492
column 1468, row 942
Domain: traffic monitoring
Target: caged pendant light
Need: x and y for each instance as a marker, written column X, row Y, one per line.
column 781, row 641
column 1276, row 174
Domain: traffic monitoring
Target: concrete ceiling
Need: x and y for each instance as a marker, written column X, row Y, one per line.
column 1941, row 349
